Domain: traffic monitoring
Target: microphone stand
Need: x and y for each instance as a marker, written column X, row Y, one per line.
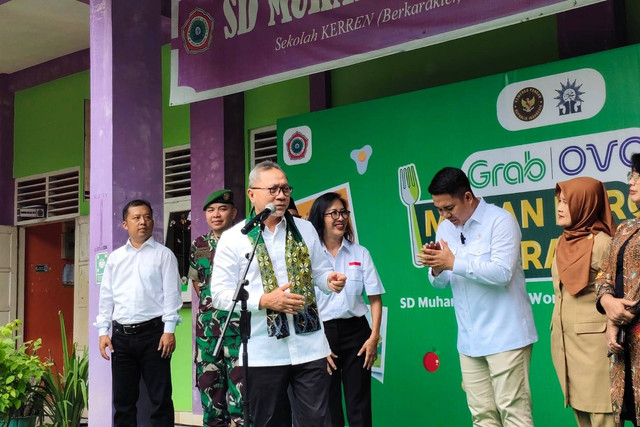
column 242, row 295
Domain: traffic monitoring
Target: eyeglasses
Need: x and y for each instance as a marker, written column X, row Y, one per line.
column 633, row 176
column 275, row 190
column 337, row 214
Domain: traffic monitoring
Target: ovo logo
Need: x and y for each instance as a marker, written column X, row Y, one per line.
column 481, row 175
column 573, row 159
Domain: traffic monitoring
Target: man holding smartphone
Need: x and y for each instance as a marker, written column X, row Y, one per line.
column 477, row 253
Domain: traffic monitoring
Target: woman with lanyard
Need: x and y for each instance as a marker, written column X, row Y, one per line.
column 578, row 345
column 354, row 345
column 618, row 291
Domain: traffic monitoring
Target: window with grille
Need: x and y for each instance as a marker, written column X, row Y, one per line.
column 47, row 197
column 177, row 172
column 264, row 145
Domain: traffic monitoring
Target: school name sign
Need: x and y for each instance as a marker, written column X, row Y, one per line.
column 223, row 47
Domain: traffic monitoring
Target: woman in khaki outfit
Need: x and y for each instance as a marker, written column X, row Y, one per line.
column 578, row 343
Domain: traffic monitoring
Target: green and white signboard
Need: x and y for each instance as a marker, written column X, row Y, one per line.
column 101, row 263
column 516, row 135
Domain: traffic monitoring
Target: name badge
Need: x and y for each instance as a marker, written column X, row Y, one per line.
column 202, row 253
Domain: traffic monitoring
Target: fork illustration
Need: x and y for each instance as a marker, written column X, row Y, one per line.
column 410, row 194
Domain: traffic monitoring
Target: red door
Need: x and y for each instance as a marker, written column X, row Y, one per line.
column 44, row 293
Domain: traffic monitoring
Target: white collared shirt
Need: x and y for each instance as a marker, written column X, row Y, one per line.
column 490, row 298
column 139, row 285
column 229, row 264
column 354, row 261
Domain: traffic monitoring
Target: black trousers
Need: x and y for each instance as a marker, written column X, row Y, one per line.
column 136, row 356
column 270, row 402
column 346, row 337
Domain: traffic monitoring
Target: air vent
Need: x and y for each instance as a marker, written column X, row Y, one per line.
column 47, row 197
column 177, row 172
column 264, row 145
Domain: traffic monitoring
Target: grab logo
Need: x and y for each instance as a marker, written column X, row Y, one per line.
column 510, row 173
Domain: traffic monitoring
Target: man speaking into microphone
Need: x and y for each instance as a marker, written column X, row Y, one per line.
column 259, row 219
column 287, row 344
column 477, row 253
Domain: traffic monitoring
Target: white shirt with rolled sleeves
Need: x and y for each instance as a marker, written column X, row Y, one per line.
column 140, row 285
column 355, row 262
column 490, row 298
column 229, row 264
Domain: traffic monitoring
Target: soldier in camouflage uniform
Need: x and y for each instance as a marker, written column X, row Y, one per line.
column 219, row 380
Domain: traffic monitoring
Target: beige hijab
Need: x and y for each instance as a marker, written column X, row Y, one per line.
column 590, row 214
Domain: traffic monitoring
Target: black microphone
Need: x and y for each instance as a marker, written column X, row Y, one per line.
column 259, row 218
column 462, row 238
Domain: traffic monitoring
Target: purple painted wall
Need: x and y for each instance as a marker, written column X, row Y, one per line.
column 6, row 152
column 100, row 222
column 126, row 137
column 207, row 157
column 320, row 91
column 591, row 29
column 234, row 150
column 51, row 70
column 207, row 175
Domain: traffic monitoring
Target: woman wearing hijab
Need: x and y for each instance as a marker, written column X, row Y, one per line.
column 578, row 343
column 354, row 345
column 618, row 291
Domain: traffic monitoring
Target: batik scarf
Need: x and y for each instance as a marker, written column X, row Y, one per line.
column 299, row 274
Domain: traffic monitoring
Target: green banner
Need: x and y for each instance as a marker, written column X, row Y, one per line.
column 516, row 135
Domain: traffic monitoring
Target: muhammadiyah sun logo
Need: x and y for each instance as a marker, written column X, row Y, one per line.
column 569, row 100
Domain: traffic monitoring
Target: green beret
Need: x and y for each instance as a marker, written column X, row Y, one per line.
column 220, row 196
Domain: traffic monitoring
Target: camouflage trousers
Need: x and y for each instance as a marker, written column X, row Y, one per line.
column 219, row 381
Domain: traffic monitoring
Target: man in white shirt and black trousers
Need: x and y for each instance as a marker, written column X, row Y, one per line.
column 287, row 344
column 140, row 298
column 477, row 253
